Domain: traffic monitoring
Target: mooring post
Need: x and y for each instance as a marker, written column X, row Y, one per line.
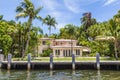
column 29, row 62
column 9, row 61
column 98, row 61
column 73, row 61
column 51, row 61
column 0, row 64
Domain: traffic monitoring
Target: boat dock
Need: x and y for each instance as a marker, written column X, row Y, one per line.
column 84, row 65
column 60, row 65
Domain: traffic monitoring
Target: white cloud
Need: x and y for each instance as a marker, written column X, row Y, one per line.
column 76, row 6
column 61, row 25
column 50, row 4
column 108, row 2
column 53, row 8
column 72, row 5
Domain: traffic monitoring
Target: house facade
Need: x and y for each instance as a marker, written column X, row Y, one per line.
column 62, row 47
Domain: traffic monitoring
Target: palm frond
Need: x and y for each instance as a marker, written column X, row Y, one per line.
column 19, row 9
column 38, row 17
column 21, row 15
column 102, row 38
column 38, row 10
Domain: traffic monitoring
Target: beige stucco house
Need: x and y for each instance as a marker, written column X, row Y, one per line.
column 62, row 47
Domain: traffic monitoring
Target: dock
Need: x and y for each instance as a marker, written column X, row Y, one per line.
column 60, row 65
column 83, row 65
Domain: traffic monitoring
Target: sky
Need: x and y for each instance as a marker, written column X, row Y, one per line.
column 64, row 11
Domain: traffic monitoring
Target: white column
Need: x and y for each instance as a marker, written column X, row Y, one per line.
column 74, row 52
column 81, row 52
column 54, row 52
column 61, row 52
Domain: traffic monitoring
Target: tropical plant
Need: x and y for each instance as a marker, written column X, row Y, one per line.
column 50, row 21
column 27, row 9
column 87, row 21
column 71, row 32
column 113, row 34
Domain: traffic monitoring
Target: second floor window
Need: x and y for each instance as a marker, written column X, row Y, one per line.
column 43, row 42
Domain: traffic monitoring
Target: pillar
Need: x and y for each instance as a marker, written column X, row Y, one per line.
column 61, row 52
column 80, row 52
column 98, row 61
column 51, row 61
column 0, row 63
column 54, row 52
column 29, row 62
column 9, row 61
column 73, row 61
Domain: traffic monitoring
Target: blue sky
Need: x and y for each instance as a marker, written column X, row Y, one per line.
column 64, row 11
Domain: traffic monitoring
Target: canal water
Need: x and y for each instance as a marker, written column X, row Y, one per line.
column 59, row 75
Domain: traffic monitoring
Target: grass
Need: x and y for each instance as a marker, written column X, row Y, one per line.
column 59, row 59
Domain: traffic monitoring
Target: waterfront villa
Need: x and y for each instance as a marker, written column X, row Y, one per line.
column 62, row 47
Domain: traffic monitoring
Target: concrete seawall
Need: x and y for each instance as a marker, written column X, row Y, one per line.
column 83, row 65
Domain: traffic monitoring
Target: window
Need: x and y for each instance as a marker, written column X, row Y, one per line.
column 64, row 53
column 57, row 52
column 77, row 52
column 44, row 42
column 69, row 42
column 61, row 43
column 43, row 51
column 70, row 53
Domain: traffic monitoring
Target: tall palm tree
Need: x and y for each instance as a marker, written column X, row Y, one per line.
column 114, row 32
column 50, row 21
column 87, row 20
column 71, row 30
column 27, row 9
column 37, row 33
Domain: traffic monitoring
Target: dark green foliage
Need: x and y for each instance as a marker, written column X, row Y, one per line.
column 46, row 53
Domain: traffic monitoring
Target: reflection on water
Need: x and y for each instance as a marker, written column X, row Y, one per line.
column 28, row 75
column 59, row 75
column 98, row 75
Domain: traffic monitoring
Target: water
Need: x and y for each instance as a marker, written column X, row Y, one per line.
column 59, row 75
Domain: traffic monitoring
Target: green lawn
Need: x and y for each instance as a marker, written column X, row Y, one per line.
column 59, row 59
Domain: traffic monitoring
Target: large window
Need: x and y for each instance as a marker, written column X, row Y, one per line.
column 77, row 52
column 70, row 53
column 67, row 53
column 57, row 52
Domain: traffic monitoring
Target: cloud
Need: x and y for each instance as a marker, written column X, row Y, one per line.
column 58, row 11
column 72, row 5
column 108, row 2
column 61, row 25
column 50, row 4
column 76, row 6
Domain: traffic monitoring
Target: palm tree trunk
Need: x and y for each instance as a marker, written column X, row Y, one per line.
column 115, row 49
column 19, row 34
column 49, row 31
column 28, row 36
column 37, row 48
column 71, row 47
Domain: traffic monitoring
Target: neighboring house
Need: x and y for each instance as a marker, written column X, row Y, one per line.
column 62, row 47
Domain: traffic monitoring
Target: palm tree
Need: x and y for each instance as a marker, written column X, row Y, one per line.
column 71, row 30
column 36, row 33
column 87, row 21
column 50, row 21
column 1, row 17
column 27, row 9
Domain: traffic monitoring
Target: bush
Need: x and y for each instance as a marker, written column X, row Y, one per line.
column 46, row 53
